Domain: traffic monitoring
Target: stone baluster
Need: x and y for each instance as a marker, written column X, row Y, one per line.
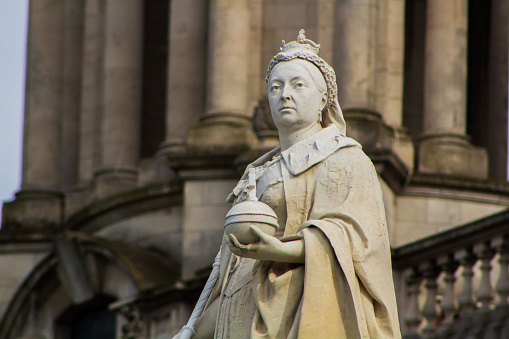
column 466, row 301
column 502, row 287
column 429, row 310
column 412, row 316
column 484, row 293
column 499, row 325
column 448, row 304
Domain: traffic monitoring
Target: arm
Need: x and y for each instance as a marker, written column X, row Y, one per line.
column 268, row 248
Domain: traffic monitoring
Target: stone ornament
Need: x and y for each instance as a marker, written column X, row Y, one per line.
column 326, row 271
column 250, row 212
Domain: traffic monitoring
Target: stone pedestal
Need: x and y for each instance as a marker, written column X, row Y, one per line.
column 33, row 210
column 220, row 138
column 111, row 181
column 452, row 155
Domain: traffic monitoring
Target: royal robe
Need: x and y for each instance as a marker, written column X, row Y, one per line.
column 345, row 287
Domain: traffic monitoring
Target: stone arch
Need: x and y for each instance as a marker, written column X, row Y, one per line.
column 81, row 268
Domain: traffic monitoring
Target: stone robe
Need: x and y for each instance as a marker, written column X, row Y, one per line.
column 345, row 288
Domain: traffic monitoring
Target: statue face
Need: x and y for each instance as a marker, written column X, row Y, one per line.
column 294, row 97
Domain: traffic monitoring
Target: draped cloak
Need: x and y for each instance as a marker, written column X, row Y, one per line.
column 345, row 288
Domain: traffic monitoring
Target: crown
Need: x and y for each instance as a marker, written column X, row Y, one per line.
column 302, row 44
column 307, row 50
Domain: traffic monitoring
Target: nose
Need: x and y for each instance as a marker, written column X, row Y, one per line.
column 285, row 95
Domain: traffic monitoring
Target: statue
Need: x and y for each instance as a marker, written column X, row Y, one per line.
column 325, row 272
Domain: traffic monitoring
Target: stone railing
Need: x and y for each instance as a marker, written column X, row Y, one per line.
column 457, row 282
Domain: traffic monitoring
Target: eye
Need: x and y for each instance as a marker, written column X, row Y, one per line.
column 275, row 88
column 299, row 85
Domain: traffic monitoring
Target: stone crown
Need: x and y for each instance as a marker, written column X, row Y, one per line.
column 302, row 44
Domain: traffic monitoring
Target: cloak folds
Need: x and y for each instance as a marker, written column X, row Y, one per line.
column 345, row 288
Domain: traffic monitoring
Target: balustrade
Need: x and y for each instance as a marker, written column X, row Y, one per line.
column 457, row 282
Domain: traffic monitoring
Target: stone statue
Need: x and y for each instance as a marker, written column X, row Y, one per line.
column 326, row 271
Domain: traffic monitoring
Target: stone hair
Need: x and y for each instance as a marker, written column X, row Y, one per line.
column 328, row 73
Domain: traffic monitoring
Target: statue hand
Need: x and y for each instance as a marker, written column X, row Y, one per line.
column 268, row 248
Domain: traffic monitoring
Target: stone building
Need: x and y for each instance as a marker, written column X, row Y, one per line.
column 138, row 123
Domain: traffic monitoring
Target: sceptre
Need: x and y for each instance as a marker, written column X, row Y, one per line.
column 188, row 329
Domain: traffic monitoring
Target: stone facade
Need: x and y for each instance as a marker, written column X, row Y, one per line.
column 138, row 124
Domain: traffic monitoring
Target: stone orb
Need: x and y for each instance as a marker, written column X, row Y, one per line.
column 250, row 213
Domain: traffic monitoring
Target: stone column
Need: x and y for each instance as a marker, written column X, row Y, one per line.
column 390, row 68
column 228, row 53
column 38, row 202
column 90, row 105
column 186, row 71
column 390, row 64
column 256, row 87
column 444, row 146
column 73, row 35
column 355, row 52
column 121, row 102
column 43, row 105
column 325, row 28
column 498, row 88
column 91, row 92
column 368, row 59
column 225, row 125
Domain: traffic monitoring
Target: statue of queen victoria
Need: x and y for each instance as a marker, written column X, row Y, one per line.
column 323, row 268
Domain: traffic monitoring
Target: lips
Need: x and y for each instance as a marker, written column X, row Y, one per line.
column 286, row 107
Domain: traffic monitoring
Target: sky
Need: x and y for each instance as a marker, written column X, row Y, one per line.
column 13, row 28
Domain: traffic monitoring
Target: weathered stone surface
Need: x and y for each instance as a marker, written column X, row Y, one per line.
column 33, row 211
column 220, row 139
column 452, row 157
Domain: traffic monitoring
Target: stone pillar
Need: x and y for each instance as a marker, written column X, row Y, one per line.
column 444, row 146
column 90, row 105
column 355, row 53
column 225, row 125
column 38, row 203
column 73, row 35
column 368, row 59
column 325, row 28
column 498, row 88
column 228, row 53
column 186, row 71
column 41, row 148
column 256, row 88
column 121, row 102
column 91, row 91
column 390, row 64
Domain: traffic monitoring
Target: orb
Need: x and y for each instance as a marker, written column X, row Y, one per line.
column 250, row 213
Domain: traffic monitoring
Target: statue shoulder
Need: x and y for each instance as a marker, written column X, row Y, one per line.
column 348, row 157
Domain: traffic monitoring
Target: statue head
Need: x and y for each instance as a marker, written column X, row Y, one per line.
column 306, row 53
